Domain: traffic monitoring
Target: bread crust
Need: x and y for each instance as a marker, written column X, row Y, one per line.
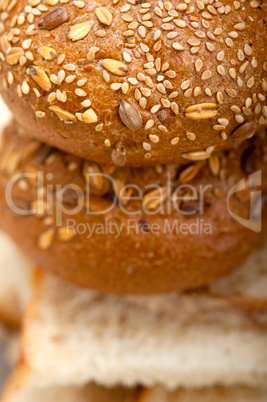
column 143, row 258
column 148, row 85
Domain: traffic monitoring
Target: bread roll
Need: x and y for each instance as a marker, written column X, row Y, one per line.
column 123, row 230
column 136, row 83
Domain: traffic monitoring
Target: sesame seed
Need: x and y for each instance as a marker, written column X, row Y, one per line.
column 197, row 91
column 153, row 138
column 191, row 136
column 247, row 50
column 146, row 146
column 198, row 65
column 149, row 124
column 219, row 97
column 239, row 118
column 161, row 89
column 235, row 109
column 221, row 70
column 177, row 46
column 251, row 82
column 155, row 109
column 143, row 103
column 106, row 76
column 25, row 88
column 206, row 75
column 175, row 141
column 80, row 92
column 81, row 83
column 70, row 79
column 115, row 86
column 39, row 113
column 185, row 84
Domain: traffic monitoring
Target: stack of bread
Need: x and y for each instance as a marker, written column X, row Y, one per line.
column 133, row 175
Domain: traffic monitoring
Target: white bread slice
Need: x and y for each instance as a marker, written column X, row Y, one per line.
column 5, row 114
column 16, row 274
column 74, row 336
column 213, row 394
column 14, row 282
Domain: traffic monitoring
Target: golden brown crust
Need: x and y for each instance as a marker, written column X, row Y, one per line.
column 146, row 258
column 192, row 77
column 218, row 393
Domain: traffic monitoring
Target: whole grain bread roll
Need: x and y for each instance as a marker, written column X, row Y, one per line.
column 125, row 230
column 136, row 83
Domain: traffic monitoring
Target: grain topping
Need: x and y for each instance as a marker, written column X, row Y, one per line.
column 54, row 19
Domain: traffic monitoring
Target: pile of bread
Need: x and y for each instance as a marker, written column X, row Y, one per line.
column 134, row 177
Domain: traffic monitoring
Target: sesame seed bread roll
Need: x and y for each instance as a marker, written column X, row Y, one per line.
column 136, row 83
column 218, row 394
column 125, row 230
column 16, row 390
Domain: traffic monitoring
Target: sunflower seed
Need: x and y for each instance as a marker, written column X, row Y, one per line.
column 54, row 19
column 130, row 116
column 246, row 130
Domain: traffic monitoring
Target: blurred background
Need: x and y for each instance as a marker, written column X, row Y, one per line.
column 4, row 366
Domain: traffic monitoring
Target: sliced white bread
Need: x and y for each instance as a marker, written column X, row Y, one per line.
column 16, row 274
column 74, row 336
column 5, row 115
